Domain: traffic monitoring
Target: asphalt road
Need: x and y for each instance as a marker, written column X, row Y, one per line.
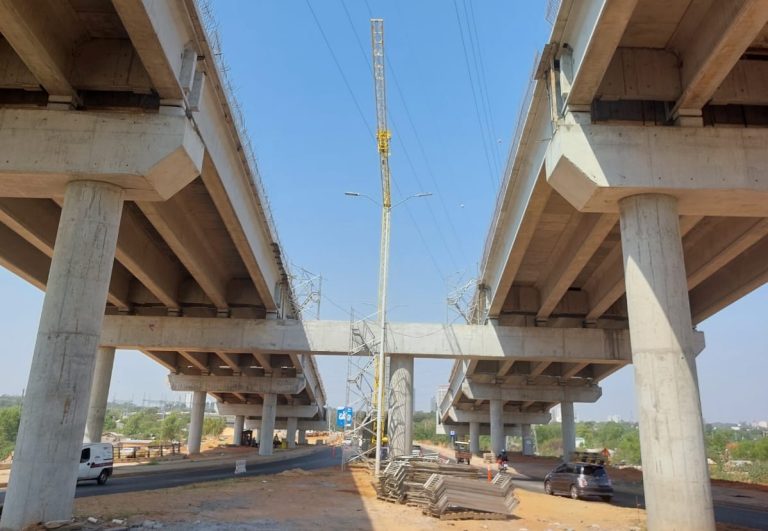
column 724, row 513
column 118, row 485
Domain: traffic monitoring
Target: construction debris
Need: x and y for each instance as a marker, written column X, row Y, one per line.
column 446, row 491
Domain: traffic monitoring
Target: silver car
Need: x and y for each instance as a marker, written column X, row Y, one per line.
column 578, row 480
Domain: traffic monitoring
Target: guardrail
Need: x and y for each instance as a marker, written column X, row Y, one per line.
column 133, row 452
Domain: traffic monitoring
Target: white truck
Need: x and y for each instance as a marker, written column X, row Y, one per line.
column 96, row 462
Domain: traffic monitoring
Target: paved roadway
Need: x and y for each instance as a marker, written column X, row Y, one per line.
column 625, row 497
column 117, row 485
column 724, row 513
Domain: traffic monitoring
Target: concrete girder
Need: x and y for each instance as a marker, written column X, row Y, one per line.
column 44, row 34
column 198, row 360
column 606, row 285
column 150, row 156
column 525, row 195
column 265, row 361
column 593, row 48
column 156, row 32
column 236, row 384
column 522, row 393
column 36, row 221
column 232, row 361
column 594, row 166
column 421, row 340
column 509, row 417
column 742, row 275
column 709, row 51
column 169, row 360
column 302, row 424
column 184, row 236
column 587, row 236
column 255, row 410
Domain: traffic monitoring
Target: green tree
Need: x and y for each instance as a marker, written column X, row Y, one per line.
column 214, row 426
column 9, row 428
column 143, row 424
column 173, row 427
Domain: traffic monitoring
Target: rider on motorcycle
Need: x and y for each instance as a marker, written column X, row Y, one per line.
column 502, row 459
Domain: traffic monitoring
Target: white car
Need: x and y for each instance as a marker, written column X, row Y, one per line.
column 96, row 462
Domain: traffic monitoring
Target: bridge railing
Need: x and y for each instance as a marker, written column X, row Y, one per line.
column 525, row 108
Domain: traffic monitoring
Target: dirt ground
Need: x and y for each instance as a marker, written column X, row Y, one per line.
column 331, row 499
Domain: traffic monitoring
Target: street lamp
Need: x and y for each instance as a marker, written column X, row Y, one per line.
column 386, row 210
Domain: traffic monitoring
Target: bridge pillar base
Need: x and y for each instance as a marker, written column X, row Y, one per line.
column 97, row 407
column 195, row 435
column 302, row 437
column 525, row 432
column 43, row 477
column 676, row 479
column 497, row 426
column 237, row 438
column 568, row 429
column 400, row 419
column 267, row 429
column 474, row 438
column 290, row 431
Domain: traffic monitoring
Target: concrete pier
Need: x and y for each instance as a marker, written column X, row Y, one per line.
column 497, row 425
column 474, row 438
column 290, row 431
column 237, row 438
column 97, row 407
column 302, row 437
column 568, row 429
column 43, row 477
column 267, row 428
column 195, row 435
column 676, row 479
column 527, row 436
column 400, row 418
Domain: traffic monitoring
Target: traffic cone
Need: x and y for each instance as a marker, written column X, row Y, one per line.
column 490, row 477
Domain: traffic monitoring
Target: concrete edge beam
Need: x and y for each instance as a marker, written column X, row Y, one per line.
column 236, row 384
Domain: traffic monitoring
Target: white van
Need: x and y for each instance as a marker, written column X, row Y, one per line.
column 95, row 462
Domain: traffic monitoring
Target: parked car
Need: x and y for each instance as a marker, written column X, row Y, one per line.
column 96, row 462
column 578, row 480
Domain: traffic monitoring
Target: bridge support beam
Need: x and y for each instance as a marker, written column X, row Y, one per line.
column 676, row 479
column 267, row 426
column 302, row 437
column 568, row 429
column 400, row 418
column 97, row 407
column 290, row 431
column 237, row 438
column 43, row 477
column 195, row 435
column 497, row 426
column 474, row 438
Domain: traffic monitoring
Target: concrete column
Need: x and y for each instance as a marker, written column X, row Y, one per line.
column 97, row 407
column 474, row 438
column 497, row 426
column 676, row 479
column 290, row 431
column 568, row 429
column 43, row 477
column 302, row 437
column 400, row 418
column 237, row 438
column 527, row 437
column 267, row 429
column 195, row 435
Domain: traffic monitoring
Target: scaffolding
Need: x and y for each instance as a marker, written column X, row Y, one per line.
column 360, row 396
column 307, row 291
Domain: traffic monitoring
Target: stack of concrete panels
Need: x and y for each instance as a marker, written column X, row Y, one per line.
column 403, row 479
column 470, row 498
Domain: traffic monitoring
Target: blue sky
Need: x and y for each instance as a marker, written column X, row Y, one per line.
column 313, row 145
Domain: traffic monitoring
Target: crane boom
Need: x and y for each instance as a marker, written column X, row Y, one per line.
column 382, row 141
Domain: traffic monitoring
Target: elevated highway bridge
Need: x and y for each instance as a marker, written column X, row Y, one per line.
column 633, row 206
column 635, row 198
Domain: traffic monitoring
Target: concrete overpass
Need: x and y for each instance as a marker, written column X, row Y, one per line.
column 127, row 188
column 635, row 197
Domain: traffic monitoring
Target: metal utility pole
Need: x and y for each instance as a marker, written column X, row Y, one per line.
column 382, row 140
